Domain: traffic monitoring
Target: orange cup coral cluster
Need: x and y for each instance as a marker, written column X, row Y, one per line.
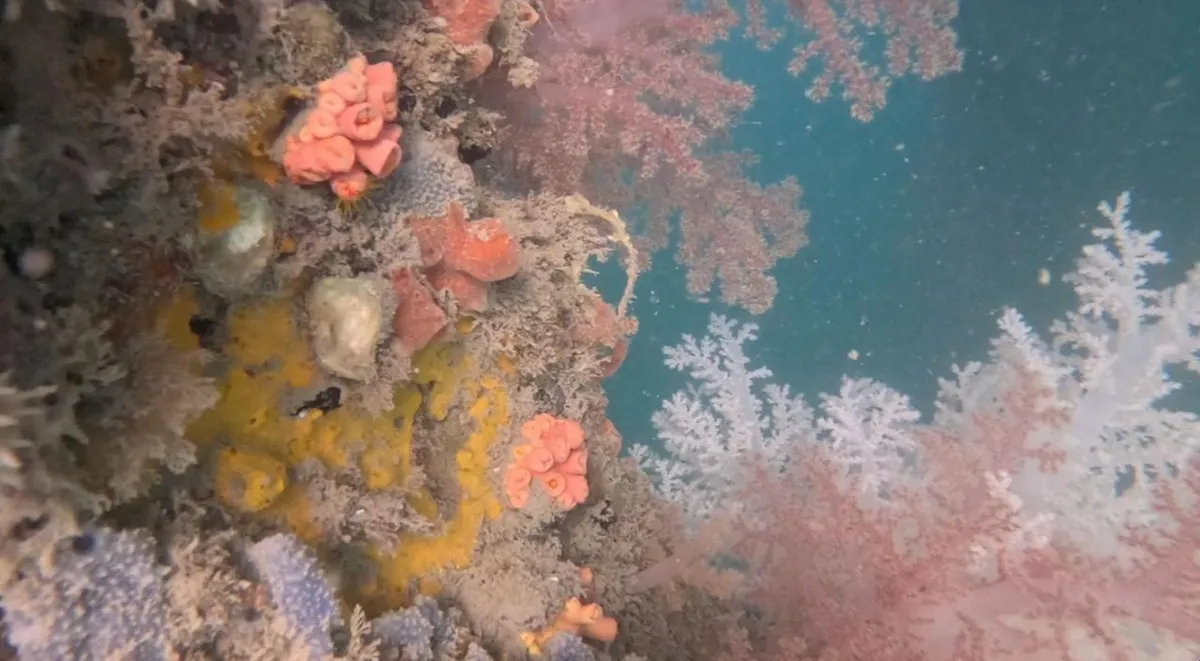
column 554, row 456
column 458, row 256
column 580, row 617
column 349, row 135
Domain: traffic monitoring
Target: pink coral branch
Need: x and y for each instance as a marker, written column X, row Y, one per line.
column 628, row 87
column 648, row 105
column 910, row 579
column 919, row 40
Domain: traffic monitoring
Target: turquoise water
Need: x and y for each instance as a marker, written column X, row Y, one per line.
column 928, row 220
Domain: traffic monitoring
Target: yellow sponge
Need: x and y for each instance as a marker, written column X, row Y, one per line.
column 249, row 481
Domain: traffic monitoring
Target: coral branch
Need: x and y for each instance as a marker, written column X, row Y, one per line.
column 1007, row 527
column 918, row 40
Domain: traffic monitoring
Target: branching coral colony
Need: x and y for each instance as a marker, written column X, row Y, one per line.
column 280, row 380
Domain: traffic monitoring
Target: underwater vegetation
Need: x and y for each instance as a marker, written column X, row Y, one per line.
column 300, row 358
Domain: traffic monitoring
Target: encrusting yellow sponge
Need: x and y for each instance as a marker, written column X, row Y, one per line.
column 250, row 481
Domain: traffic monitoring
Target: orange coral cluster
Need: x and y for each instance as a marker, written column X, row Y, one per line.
column 457, row 256
column 350, row 131
column 580, row 617
column 555, row 456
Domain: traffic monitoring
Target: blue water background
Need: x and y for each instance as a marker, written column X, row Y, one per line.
column 930, row 219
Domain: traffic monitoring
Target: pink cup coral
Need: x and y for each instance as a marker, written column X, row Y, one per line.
column 554, row 456
column 349, row 133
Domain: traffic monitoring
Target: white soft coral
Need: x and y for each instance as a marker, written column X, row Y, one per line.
column 731, row 416
column 1107, row 365
column 711, row 429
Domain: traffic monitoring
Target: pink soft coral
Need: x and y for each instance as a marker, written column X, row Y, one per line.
column 348, row 135
column 555, row 456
